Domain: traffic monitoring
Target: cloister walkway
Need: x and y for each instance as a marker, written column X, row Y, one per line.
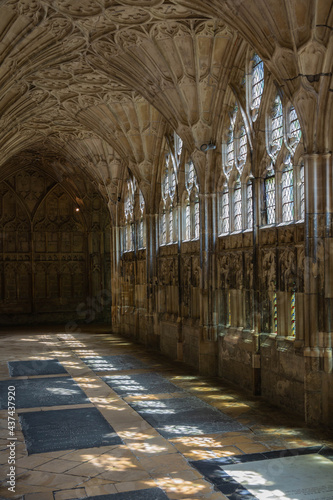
column 93, row 415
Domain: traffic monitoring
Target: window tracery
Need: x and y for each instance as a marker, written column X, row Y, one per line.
column 225, row 224
column 269, row 184
column 249, row 204
column 129, row 216
column 238, row 206
column 191, row 204
column 257, row 86
column 287, row 181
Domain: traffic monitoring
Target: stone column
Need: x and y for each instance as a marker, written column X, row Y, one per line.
column 208, row 342
column 318, row 282
column 256, row 369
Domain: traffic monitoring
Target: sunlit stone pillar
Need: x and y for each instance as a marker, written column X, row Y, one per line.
column 318, row 290
column 115, row 278
column 328, row 272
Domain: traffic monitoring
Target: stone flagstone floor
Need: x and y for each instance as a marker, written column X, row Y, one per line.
column 139, row 458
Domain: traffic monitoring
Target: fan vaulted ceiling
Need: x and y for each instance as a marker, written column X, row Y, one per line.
column 93, row 85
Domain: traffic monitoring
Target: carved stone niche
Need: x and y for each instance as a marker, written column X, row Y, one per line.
column 268, row 270
column 287, row 234
column 287, row 265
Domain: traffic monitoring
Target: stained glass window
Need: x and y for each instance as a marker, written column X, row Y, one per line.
column 302, row 191
column 288, row 193
column 249, row 203
column 225, row 212
column 270, row 199
column 257, row 81
column 277, row 125
column 238, row 207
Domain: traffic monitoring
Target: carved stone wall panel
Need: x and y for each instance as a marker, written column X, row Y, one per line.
column 43, row 235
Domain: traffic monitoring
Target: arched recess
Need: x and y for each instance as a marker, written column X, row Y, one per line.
column 15, row 253
column 54, row 251
column 60, row 248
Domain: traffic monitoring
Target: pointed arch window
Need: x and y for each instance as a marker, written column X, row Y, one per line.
column 257, row 83
column 295, row 133
column 242, row 147
column 277, row 126
column 238, row 206
column 288, row 192
column 168, row 215
column 269, row 185
column 141, row 224
column 302, row 192
column 249, row 204
column 225, row 224
column 129, row 216
column 230, row 147
column 196, row 218
column 191, row 204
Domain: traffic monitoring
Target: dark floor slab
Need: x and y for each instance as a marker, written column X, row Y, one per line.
column 148, row 494
column 185, row 417
column 219, row 470
column 55, row 430
column 35, row 367
column 114, row 363
column 32, row 393
column 141, row 383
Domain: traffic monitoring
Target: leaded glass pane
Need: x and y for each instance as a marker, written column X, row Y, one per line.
column 170, row 225
column 188, row 222
column 196, row 220
column 257, row 81
column 302, row 192
column 141, row 235
column 294, row 128
column 270, row 199
column 238, row 207
column 225, row 212
column 242, row 147
column 277, row 125
column 288, row 194
column 163, row 228
column 249, row 203
column 230, row 148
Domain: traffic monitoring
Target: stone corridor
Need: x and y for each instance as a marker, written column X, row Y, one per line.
column 97, row 416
